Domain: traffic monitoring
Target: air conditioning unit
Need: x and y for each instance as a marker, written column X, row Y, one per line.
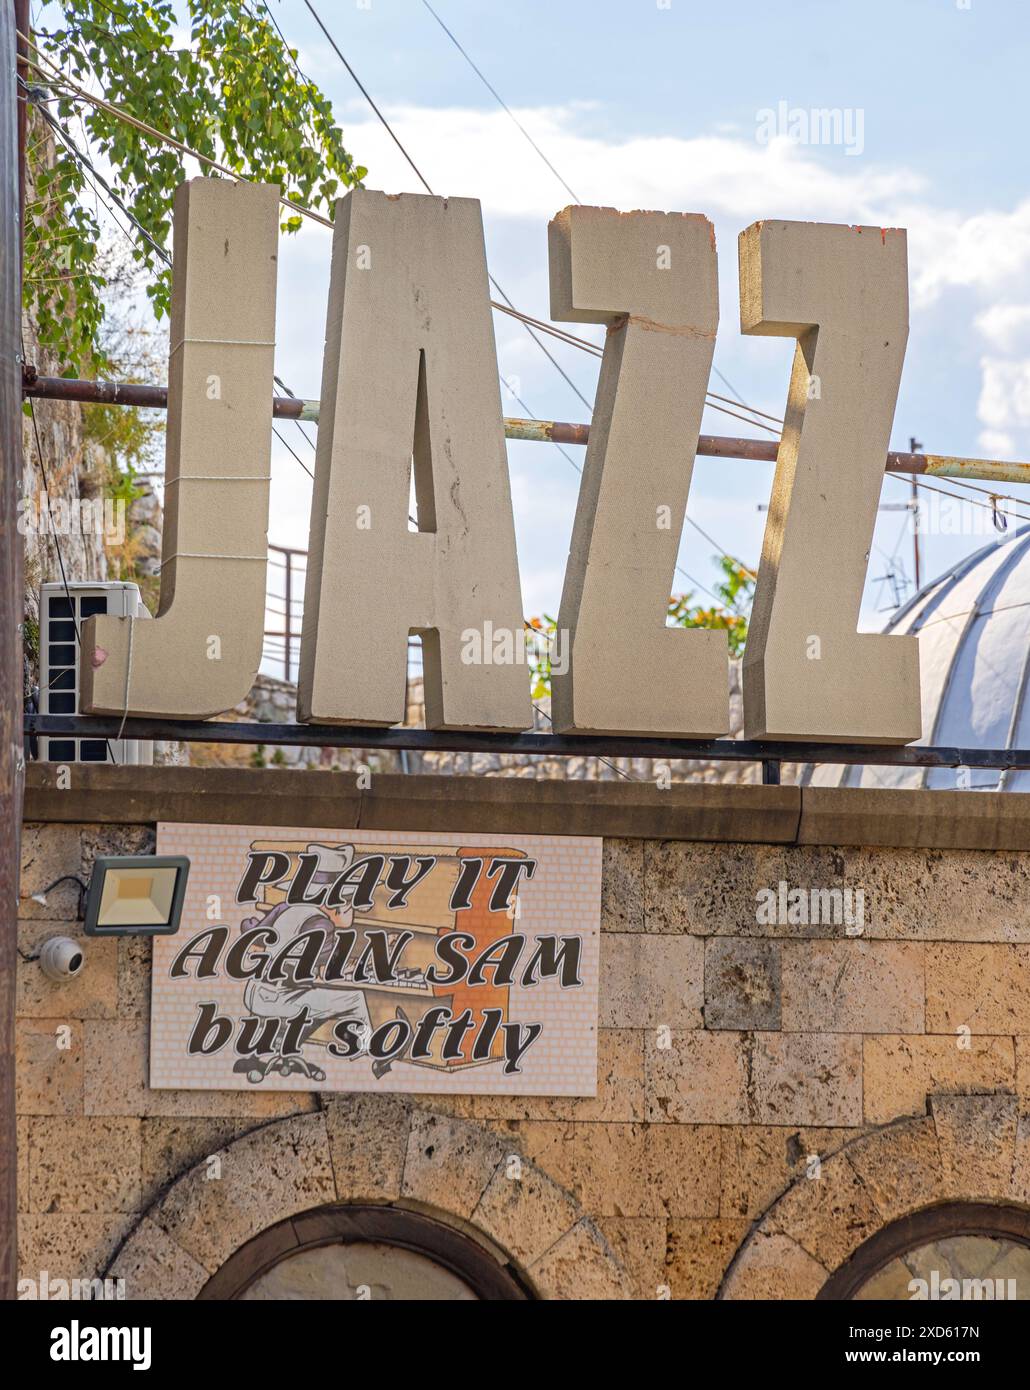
column 61, row 611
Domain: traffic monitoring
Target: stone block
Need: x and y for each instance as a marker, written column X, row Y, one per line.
column 772, row 1266
column 647, row 1170
column 977, row 1140
column 638, row 1244
column 581, row 1265
column 368, row 1141
column 549, row 1144
column 759, row 1162
column 698, row 1255
column 647, row 981
column 622, row 886
column 171, row 1147
column 69, row 1245
column 49, row 1069
column 853, row 986
column 523, row 1210
column 701, row 1078
column 449, row 1162
column 807, row 1078
column 900, row 1166
column 982, row 987
column 134, row 962
column 742, row 983
column 718, row 889
column 23, row 1126
column 1021, row 1161
column 900, row 1072
column 84, row 1165
column 105, row 840
column 154, row 1266
column 829, row 1214
column 272, row 1173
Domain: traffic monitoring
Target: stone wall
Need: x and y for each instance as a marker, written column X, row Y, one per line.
column 766, row 1091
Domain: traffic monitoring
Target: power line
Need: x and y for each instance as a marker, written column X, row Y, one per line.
column 576, row 199
column 501, row 102
column 167, row 259
column 508, row 307
column 425, row 184
column 749, row 572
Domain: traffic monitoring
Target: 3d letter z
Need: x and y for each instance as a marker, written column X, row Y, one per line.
column 842, row 292
column 651, row 277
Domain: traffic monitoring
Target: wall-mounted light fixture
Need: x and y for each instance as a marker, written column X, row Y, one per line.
column 136, row 895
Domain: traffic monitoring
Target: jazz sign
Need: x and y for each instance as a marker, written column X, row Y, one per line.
column 410, row 388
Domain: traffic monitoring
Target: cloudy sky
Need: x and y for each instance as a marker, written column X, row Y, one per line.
column 675, row 105
column 687, row 106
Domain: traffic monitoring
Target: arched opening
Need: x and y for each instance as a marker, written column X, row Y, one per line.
column 355, row 1253
column 960, row 1250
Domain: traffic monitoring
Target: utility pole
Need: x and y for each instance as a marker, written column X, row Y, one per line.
column 13, row 15
column 913, row 447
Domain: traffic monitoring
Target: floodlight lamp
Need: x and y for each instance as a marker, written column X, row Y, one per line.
column 136, row 895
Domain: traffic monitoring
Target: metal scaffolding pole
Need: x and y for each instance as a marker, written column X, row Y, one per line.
column 535, row 431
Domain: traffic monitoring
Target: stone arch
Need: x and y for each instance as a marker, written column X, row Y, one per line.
column 964, row 1149
column 368, row 1149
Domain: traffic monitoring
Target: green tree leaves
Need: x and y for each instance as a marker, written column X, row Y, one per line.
column 229, row 89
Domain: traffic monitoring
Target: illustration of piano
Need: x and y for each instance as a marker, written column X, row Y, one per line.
column 427, row 914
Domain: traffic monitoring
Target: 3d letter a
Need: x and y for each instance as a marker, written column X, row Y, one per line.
column 217, row 462
column 409, row 385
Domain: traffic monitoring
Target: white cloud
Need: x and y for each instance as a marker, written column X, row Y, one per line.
column 989, row 251
column 1005, row 392
column 472, row 153
column 975, row 267
column 1006, row 326
column 997, row 443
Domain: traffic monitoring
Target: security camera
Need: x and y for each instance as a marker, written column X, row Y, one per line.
column 60, row 958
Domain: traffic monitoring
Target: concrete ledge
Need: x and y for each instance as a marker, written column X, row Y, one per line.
column 477, row 805
column 914, row 819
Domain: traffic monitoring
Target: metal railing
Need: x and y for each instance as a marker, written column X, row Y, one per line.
column 284, row 607
column 288, row 607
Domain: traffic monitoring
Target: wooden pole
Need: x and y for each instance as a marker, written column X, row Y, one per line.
column 12, row 762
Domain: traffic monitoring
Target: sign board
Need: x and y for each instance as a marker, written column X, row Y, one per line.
column 379, row 961
column 410, row 397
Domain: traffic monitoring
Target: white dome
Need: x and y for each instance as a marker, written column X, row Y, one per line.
column 973, row 625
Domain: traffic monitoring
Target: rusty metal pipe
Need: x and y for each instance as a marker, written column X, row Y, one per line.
column 537, row 431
